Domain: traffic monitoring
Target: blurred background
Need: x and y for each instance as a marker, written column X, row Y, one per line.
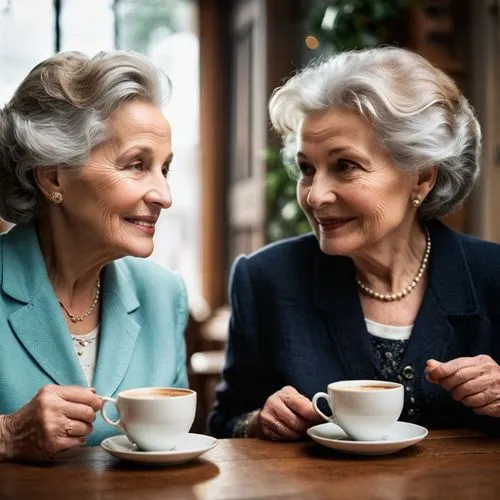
column 231, row 193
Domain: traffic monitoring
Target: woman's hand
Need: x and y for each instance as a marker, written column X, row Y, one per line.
column 475, row 382
column 285, row 416
column 56, row 419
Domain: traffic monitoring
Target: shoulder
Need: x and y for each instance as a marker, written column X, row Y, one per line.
column 482, row 256
column 283, row 266
column 280, row 254
column 465, row 255
column 160, row 291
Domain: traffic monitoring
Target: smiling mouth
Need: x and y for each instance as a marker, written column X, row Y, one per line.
column 332, row 224
column 141, row 223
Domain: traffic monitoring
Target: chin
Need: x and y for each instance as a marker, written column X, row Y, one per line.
column 141, row 251
column 332, row 246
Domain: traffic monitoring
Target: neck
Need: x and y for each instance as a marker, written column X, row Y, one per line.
column 393, row 263
column 72, row 269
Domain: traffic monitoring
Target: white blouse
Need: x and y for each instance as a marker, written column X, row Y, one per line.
column 388, row 331
column 86, row 351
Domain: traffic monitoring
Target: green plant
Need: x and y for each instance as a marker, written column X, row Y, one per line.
column 284, row 216
column 354, row 24
column 338, row 25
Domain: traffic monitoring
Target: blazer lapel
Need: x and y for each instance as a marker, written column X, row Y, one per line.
column 450, row 293
column 336, row 294
column 38, row 322
column 119, row 331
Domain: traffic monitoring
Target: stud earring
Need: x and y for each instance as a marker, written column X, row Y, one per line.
column 56, row 198
column 415, row 202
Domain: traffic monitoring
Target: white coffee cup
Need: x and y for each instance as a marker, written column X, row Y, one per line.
column 154, row 418
column 365, row 409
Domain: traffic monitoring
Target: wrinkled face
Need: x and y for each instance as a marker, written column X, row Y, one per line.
column 116, row 197
column 349, row 187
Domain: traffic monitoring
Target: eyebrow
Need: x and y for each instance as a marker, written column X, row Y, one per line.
column 336, row 151
column 144, row 149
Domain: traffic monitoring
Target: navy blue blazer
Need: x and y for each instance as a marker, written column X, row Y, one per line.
column 296, row 319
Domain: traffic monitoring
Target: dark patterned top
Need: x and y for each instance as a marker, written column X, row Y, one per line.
column 389, row 366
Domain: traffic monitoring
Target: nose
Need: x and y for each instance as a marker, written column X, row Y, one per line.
column 159, row 194
column 321, row 192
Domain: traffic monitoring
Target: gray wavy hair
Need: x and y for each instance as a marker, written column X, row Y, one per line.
column 417, row 112
column 58, row 115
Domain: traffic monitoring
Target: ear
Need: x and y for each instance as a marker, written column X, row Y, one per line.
column 425, row 183
column 48, row 180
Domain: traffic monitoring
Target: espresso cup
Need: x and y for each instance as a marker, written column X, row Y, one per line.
column 153, row 418
column 365, row 409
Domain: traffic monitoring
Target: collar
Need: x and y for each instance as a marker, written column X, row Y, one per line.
column 24, row 272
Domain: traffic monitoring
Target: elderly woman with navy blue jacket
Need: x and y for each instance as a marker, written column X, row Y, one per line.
column 383, row 144
column 84, row 154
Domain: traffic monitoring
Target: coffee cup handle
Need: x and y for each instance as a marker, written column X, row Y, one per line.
column 315, row 399
column 114, row 423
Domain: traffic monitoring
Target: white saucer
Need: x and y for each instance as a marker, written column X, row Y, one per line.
column 402, row 435
column 191, row 447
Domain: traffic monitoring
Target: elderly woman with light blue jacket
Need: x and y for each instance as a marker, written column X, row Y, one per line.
column 84, row 155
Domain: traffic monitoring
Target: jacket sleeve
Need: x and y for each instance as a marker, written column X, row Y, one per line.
column 242, row 388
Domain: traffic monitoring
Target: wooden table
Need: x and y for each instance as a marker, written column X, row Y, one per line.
column 452, row 465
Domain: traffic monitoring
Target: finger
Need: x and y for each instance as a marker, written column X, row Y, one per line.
column 492, row 409
column 436, row 370
column 78, row 411
column 270, row 434
column 269, row 420
column 480, row 399
column 65, row 443
column 275, row 430
column 280, row 412
column 76, row 428
column 461, row 376
column 301, row 406
column 83, row 395
column 469, row 388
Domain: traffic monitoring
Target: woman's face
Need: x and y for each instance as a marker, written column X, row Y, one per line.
column 116, row 198
column 350, row 189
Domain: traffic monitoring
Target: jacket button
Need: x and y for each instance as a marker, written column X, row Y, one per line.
column 411, row 412
column 408, row 372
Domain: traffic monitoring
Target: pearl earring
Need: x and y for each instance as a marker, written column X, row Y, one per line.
column 415, row 202
column 56, row 198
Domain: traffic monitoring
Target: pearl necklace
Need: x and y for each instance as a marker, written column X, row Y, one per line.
column 391, row 297
column 89, row 311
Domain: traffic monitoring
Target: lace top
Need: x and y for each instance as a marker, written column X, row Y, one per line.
column 389, row 345
column 86, row 351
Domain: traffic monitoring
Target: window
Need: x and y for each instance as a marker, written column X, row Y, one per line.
column 18, row 51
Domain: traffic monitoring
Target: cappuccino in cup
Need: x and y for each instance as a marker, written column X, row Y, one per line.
column 153, row 418
column 368, row 388
column 365, row 409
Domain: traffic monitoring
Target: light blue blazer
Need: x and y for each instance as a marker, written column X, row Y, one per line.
column 141, row 342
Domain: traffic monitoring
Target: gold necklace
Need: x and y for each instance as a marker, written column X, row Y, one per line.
column 89, row 311
column 391, row 297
